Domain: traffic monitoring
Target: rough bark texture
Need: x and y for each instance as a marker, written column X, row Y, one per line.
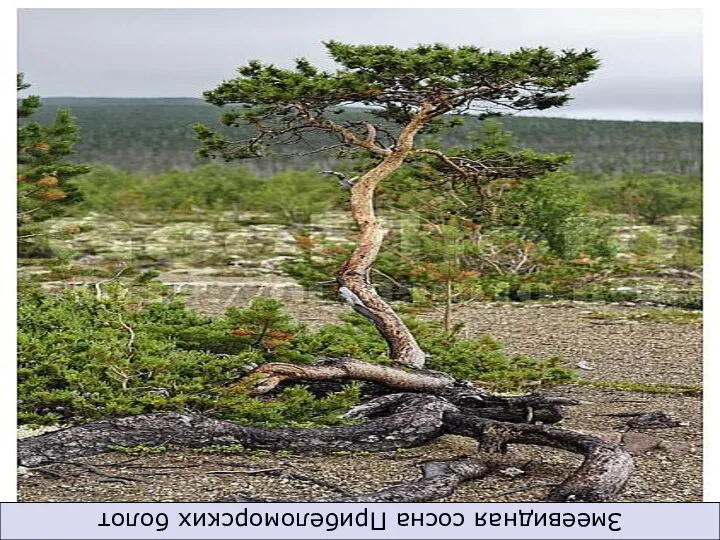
column 355, row 273
column 604, row 472
column 391, row 422
column 414, row 420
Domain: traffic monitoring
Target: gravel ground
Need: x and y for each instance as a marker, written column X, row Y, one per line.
column 619, row 350
column 639, row 351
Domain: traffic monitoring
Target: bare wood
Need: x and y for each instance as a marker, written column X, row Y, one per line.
column 355, row 273
column 467, row 397
column 268, row 376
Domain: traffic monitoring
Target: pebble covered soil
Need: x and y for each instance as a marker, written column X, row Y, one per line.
column 613, row 350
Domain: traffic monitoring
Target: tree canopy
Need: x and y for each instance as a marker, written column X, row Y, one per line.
column 428, row 83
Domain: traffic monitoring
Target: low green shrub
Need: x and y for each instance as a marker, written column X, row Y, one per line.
column 290, row 197
column 84, row 356
column 297, row 197
column 651, row 197
column 481, row 359
column 687, row 254
column 210, row 187
column 644, row 243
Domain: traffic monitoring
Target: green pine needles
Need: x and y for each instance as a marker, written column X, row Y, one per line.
column 84, row 357
column 284, row 105
column 45, row 187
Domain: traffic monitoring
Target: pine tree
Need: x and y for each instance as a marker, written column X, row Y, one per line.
column 410, row 92
column 416, row 89
column 45, row 189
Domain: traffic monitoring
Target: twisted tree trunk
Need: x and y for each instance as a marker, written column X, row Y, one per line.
column 355, row 273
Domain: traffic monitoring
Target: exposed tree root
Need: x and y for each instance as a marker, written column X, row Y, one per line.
column 415, row 420
column 472, row 400
column 390, row 422
column 269, row 376
column 440, row 478
column 603, row 473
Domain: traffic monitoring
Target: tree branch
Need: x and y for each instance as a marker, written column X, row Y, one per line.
column 443, row 157
column 268, row 376
column 347, row 135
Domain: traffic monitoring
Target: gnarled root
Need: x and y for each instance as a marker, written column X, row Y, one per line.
column 413, row 420
column 268, row 376
column 603, row 474
column 439, row 479
column 472, row 400
column 391, row 422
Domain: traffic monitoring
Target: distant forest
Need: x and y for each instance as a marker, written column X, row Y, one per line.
column 154, row 134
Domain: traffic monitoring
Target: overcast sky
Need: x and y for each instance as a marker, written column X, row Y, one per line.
column 652, row 59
